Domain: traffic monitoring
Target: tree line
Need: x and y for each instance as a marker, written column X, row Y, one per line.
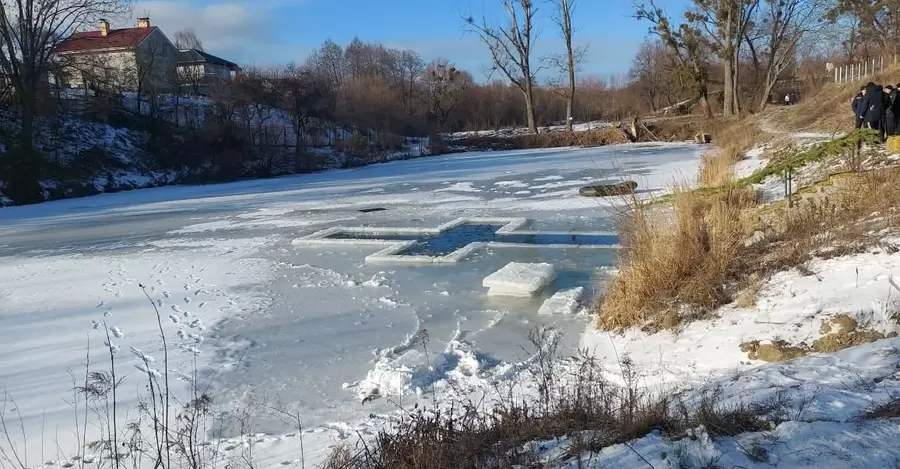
column 728, row 56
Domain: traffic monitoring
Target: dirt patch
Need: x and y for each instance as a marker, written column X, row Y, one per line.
column 838, row 333
column 841, row 332
column 775, row 351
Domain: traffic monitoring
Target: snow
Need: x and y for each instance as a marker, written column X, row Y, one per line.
column 519, row 279
column 519, row 131
column 821, row 398
column 791, row 306
column 316, row 330
column 562, row 302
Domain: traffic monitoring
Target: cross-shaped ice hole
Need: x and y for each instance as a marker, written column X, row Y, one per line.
column 444, row 243
column 453, row 241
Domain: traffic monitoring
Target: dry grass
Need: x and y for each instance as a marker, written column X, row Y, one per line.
column 829, row 109
column 680, row 266
column 885, row 410
column 732, row 140
column 675, row 270
column 594, row 413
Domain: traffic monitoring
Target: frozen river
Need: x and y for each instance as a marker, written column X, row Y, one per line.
column 310, row 328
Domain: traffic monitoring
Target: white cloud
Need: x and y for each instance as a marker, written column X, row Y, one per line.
column 239, row 30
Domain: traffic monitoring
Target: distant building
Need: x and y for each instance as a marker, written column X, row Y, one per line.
column 197, row 70
column 136, row 59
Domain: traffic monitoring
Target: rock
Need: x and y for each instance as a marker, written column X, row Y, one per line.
column 605, row 190
column 702, row 138
column 755, row 238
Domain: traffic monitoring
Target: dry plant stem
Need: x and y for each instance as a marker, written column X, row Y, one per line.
column 112, row 426
column 162, row 335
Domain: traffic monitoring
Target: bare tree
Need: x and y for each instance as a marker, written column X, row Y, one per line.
column 568, row 63
column 444, row 85
column 411, row 67
column 187, row 39
column 154, row 72
column 307, row 100
column 783, row 24
column 511, row 47
column 654, row 73
column 686, row 43
column 725, row 24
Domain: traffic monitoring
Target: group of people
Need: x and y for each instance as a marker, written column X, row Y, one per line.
column 877, row 107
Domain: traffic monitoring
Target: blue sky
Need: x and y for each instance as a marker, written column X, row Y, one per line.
column 268, row 32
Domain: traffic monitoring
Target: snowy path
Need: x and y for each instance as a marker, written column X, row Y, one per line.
column 309, row 328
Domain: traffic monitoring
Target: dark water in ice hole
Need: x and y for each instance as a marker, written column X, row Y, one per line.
column 453, row 239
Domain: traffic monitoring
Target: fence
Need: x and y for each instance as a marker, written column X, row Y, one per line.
column 857, row 71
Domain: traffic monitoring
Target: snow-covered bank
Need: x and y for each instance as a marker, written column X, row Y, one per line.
column 819, row 402
column 792, row 306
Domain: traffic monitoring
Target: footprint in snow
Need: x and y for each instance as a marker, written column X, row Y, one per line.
column 181, row 334
column 187, row 287
column 187, row 300
column 173, row 318
column 201, row 304
column 108, row 313
column 187, row 314
column 160, row 302
column 176, row 308
column 167, row 294
column 116, row 332
column 102, row 303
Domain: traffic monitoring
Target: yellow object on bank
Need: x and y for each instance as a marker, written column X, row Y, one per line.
column 893, row 144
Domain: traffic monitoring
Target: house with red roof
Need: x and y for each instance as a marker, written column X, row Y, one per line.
column 138, row 59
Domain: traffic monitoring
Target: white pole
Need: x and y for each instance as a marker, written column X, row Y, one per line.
column 866, row 69
column 836, row 75
column 882, row 64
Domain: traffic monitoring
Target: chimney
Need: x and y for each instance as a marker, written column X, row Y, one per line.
column 143, row 22
column 104, row 27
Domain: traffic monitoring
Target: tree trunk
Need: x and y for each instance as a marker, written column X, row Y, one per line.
column 704, row 100
column 736, row 83
column 768, row 86
column 529, row 106
column 571, row 97
column 26, row 139
column 728, row 92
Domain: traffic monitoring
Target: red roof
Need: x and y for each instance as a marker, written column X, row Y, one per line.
column 116, row 39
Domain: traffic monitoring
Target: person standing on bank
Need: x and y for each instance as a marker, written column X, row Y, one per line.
column 856, row 104
column 890, row 115
column 873, row 107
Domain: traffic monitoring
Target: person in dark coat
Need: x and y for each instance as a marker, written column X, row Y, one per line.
column 890, row 116
column 873, row 107
column 856, row 104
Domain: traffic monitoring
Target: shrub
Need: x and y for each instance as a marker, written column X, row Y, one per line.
column 23, row 167
column 661, row 286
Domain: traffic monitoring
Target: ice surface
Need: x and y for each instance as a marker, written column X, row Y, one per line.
column 294, row 325
column 519, row 279
column 562, row 302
